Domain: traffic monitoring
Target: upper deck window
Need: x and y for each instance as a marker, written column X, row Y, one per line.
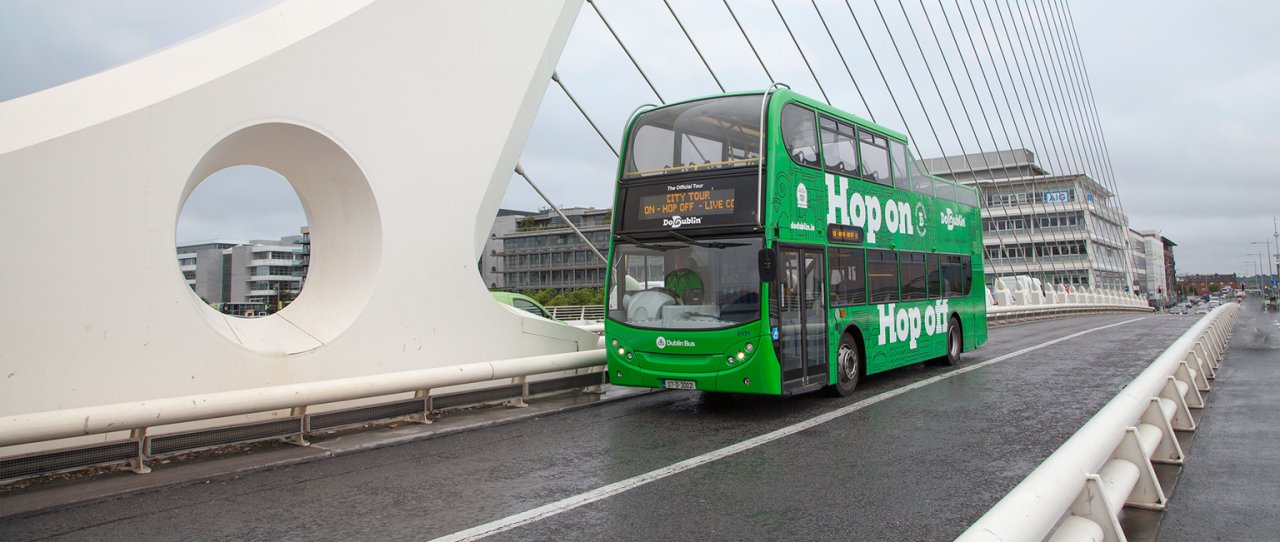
column 800, row 135
column 711, row 134
column 920, row 183
column 899, row 155
column 838, row 150
column 875, row 157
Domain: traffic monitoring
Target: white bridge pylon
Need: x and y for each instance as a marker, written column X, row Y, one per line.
column 398, row 122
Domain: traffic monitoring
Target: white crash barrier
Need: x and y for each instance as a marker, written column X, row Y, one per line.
column 1037, row 292
column 56, row 424
column 1020, row 295
column 1001, row 295
column 1078, row 491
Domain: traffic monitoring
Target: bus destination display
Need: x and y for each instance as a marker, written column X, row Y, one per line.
column 717, row 202
column 696, row 201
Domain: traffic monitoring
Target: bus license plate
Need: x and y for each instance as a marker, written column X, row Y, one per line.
column 680, row 384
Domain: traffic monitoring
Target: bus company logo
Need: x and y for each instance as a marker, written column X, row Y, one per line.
column 898, row 325
column 866, row 211
column 922, row 218
column 952, row 220
column 677, row 221
column 662, row 342
column 802, row 196
column 803, row 226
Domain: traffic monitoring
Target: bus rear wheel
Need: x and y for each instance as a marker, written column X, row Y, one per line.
column 954, row 343
column 848, row 367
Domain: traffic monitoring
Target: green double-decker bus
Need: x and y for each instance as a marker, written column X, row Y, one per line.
column 766, row 243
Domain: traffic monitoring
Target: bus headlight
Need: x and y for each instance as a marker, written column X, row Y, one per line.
column 615, row 343
column 622, row 352
column 750, row 347
column 741, row 355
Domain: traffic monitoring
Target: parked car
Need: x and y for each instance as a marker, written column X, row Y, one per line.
column 522, row 302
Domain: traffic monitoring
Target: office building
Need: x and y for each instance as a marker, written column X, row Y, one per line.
column 542, row 252
column 238, row 276
column 1066, row 229
column 1153, row 266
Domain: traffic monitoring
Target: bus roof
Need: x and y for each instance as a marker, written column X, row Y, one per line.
column 789, row 94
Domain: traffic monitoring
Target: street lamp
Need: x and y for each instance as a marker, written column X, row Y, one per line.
column 1266, row 268
column 1258, row 266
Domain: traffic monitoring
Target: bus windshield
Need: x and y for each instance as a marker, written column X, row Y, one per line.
column 703, row 135
column 685, row 283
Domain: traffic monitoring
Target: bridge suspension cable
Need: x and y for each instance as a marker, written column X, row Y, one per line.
column 749, row 44
column 880, row 69
column 685, row 31
column 843, row 62
column 555, row 76
column 625, row 50
column 800, row 50
column 947, row 111
column 1070, row 132
column 982, row 154
column 1103, row 253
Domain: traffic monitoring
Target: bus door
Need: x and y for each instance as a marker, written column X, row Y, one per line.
column 802, row 317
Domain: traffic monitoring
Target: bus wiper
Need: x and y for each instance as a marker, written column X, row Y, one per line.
column 632, row 240
column 706, row 244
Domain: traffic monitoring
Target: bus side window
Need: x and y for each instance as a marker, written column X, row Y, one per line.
column 875, row 157
column 966, row 274
column 838, row 152
column 847, row 284
column 800, row 135
column 882, row 275
column 934, row 274
column 913, row 276
column 898, row 152
column 920, row 183
column 944, row 190
column 952, row 276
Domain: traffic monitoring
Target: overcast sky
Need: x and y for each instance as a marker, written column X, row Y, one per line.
column 1185, row 92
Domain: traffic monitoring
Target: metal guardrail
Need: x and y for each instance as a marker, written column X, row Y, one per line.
column 568, row 313
column 1017, row 313
column 1078, row 491
column 139, row 417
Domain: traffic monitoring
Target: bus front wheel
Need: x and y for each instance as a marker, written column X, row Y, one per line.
column 848, row 367
column 954, row 343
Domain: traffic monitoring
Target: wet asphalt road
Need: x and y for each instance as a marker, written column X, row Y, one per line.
column 919, row 466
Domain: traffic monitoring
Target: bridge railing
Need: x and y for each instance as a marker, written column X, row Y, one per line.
column 578, row 313
column 510, row 378
column 1108, row 464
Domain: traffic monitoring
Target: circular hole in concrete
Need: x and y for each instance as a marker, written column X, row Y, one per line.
column 243, row 245
column 343, row 222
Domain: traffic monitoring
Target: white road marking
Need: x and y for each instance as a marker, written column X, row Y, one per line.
column 600, row 493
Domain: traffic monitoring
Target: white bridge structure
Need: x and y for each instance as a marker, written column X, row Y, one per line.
column 398, row 123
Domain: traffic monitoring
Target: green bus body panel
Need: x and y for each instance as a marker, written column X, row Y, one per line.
column 798, row 205
column 705, row 362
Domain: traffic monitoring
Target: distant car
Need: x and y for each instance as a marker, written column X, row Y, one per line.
column 1178, row 309
column 1202, row 309
column 522, row 302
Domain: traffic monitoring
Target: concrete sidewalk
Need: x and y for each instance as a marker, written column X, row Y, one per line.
column 1229, row 488
column 35, row 496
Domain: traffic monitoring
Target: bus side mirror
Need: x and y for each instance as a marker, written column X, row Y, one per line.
column 768, row 263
